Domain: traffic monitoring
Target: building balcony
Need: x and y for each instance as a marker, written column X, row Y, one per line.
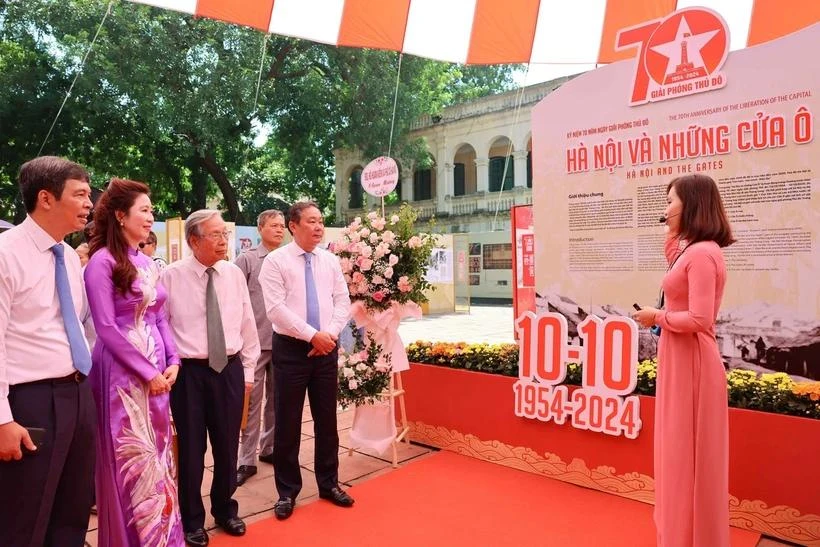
column 475, row 204
column 488, row 202
column 426, row 210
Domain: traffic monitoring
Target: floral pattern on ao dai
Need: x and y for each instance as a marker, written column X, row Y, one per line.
column 137, row 499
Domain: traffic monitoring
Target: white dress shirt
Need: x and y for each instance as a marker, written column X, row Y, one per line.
column 283, row 285
column 33, row 341
column 186, row 281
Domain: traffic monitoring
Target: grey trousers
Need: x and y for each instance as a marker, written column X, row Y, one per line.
column 262, row 391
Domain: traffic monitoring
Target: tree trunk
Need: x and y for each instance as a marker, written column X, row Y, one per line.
column 208, row 161
column 199, row 185
column 179, row 206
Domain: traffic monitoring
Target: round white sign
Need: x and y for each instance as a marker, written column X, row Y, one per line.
column 380, row 176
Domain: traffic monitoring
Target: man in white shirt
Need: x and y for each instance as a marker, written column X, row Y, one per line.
column 209, row 312
column 271, row 226
column 47, row 414
column 307, row 301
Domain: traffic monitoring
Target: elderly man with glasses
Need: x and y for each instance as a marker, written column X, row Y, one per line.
column 212, row 320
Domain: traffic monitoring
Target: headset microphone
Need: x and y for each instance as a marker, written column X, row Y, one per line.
column 663, row 218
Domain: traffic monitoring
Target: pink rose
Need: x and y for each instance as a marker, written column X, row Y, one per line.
column 404, row 284
column 393, row 260
column 388, row 272
column 378, row 280
column 362, row 288
column 378, row 223
column 414, row 242
column 388, row 237
column 394, row 219
column 378, row 296
column 344, row 262
column 358, row 277
column 364, row 263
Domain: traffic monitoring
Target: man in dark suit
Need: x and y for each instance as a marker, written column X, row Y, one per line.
column 307, row 301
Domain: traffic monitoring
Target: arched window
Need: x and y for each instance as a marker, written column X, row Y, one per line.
column 458, row 179
column 464, row 170
column 497, row 172
column 529, row 169
column 422, row 184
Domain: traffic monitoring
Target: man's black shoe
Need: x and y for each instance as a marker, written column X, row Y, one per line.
column 267, row 458
column 198, row 538
column 244, row 473
column 283, row 508
column 233, row 526
column 338, row 497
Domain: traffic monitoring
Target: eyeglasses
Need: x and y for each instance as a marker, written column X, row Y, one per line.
column 216, row 236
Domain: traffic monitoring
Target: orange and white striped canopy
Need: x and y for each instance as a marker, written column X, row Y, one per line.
column 493, row 31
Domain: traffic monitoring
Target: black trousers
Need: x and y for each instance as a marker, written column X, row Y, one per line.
column 294, row 373
column 46, row 497
column 207, row 404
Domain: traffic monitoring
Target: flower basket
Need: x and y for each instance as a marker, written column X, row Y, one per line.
column 364, row 373
column 384, row 263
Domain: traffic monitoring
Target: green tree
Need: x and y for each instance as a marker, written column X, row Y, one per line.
column 171, row 99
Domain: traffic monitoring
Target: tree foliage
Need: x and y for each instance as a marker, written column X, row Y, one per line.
column 172, row 100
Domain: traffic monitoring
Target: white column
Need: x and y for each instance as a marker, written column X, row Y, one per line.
column 340, row 166
column 407, row 186
column 341, row 195
column 482, row 183
column 443, row 201
column 442, row 180
column 520, row 163
column 441, row 185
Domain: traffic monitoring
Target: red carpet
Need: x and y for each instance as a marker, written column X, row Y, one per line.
column 447, row 499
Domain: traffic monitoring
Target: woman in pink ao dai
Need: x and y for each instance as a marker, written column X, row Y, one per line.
column 691, row 407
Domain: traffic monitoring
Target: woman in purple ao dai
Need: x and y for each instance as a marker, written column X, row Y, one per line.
column 135, row 363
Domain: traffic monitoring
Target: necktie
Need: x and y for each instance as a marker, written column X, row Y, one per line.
column 217, row 354
column 311, row 298
column 76, row 340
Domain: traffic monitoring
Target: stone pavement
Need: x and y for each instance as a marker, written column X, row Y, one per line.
column 491, row 324
column 257, row 496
